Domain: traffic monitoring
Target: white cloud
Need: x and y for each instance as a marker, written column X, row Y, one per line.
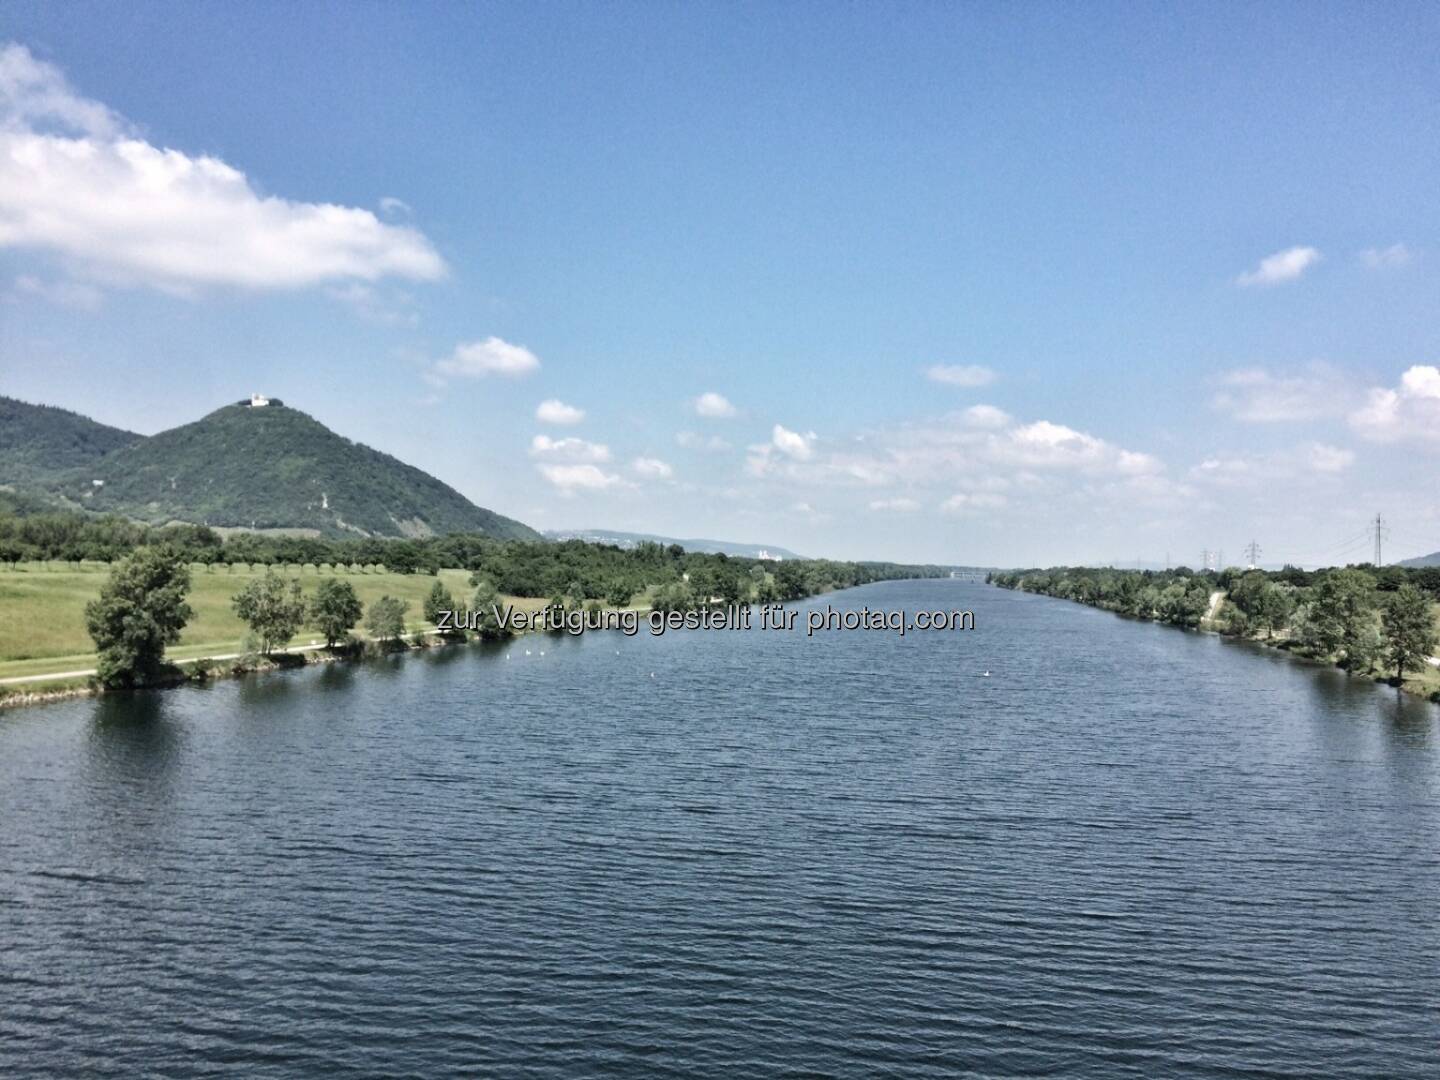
column 691, row 440
column 895, row 506
column 572, row 478
column 77, row 182
column 986, row 416
column 960, row 374
column 555, row 411
column 476, row 359
column 370, row 304
column 713, row 405
column 652, row 468
column 1308, row 461
column 1258, row 396
column 1411, row 412
column 393, row 206
column 568, row 449
column 1392, row 256
column 1283, row 266
column 792, row 443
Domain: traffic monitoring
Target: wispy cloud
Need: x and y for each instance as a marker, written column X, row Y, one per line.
column 968, row 375
column 1383, row 258
column 493, row 356
column 568, row 449
column 1283, row 266
column 568, row 479
column 1259, row 396
column 77, row 181
column 651, row 468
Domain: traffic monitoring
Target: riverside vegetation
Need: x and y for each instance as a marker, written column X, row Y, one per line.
column 255, row 585
column 1376, row 622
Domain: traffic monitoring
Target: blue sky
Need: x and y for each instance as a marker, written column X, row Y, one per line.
column 998, row 284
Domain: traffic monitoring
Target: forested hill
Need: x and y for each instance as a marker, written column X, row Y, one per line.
column 272, row 467
column 41, row 442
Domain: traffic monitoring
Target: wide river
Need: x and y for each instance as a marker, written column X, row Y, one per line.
column 1128, row 851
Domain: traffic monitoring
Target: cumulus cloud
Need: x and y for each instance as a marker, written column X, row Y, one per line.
column 1283, row 266
column 568, row 449
column 1409, row 412
column 792, row 443
column 476, row 359
column 1258, row 396
column 569, row 479
column 78, row 182
column 555, row 411
column 651, row 468
column 986, row 416
column 1381, row 258
column 969, row 375
column 713, row 405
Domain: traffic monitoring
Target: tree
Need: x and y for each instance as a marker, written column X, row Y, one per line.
column 1409, row 628
column 1342, row 617
column 386, row 620
column 335, row 609
column 437, row 600
column 140, row 610
column 485, row 604
column 1277, row 604
column 274, row 609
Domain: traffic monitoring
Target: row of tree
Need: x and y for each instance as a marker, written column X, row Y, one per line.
column 572, row 568
column 1355, row 617
column 142, row 608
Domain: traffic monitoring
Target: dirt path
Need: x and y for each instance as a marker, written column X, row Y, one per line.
column 48, row 676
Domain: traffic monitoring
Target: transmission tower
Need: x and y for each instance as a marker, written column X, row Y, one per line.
column 1380, row 533
column 1205, row 559
column 1252, row 554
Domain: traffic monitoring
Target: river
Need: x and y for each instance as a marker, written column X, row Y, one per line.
column 1127, row 851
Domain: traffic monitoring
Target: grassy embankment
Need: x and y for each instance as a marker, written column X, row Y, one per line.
column 42, row 613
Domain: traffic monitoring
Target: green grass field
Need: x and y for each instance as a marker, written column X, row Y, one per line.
column 42, row 611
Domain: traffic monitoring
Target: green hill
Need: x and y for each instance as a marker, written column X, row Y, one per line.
column 263, row 468
column 39, row 443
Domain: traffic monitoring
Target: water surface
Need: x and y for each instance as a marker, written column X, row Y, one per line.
column 1130, row 851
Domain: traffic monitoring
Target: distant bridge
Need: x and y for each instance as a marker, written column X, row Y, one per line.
column 968, row 575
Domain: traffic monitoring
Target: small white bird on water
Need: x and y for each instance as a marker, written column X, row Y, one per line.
column 985, row 674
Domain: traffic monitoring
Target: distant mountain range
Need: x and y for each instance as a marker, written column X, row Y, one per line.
column 260, row 467
column 708, row 547
column 1433, row 559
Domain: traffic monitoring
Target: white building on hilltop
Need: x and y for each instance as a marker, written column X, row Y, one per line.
column 258, row 401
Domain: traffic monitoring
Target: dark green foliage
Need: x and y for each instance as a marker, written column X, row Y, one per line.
column 273, row 608
column 335, row 609
column 1341, row 619
column 439, row 599
column 1408, row 626
column 484, row 605
column 266, row 468
column 140, row 610
column 386, row 619
column 40, row 443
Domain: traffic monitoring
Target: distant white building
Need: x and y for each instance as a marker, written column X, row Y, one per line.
column 765, row 555
column 258, row 401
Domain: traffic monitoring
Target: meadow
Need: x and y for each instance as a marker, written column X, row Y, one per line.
column 43, row 606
